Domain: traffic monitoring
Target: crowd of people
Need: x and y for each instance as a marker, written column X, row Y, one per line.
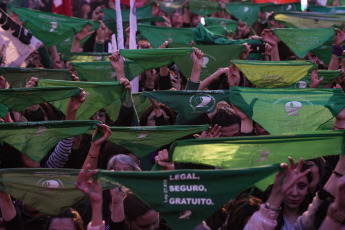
column 309, row 194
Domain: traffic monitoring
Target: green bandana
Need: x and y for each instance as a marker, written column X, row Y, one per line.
column 36, row 139
column 98, row 95
column 85, row 57
column 282, row 7
column 142, row 141
column 19, row 99
column 18, row 77
column 102, row 71
column 309, row 20
column 190, row 103
column 288, row 110
column 187, row 197
column 158, row 35
column 274, row 73
column 253, row 151
column 301, row 41
column 328, row 75
column 229, row 25
column 169, row 7
column 138, row 104
column 3, row 111
column 155, row 58
column 48, row 190
column 215, row 56
column 327, row 9
column 203, row 8
column 51, row 28
column 246, row 12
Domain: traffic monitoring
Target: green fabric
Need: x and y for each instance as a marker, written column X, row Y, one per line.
column 85, row 57
column 18, row 77
column 169, row 7
column 36, row 139
column 274, row 73
column 230, row 25
column 324, row 52
column 190, row 103
column 50, row 28
column 296, row 6
column 48, row 190
column 219, row 30
column 13, row 3
column 98, row 95
column 142, row 141
column 141, row 13
column 203, row 8
column 102, row 71
column 327, row 9
column 19, row 99
column 215, row 56
column 301, row 41
column 140, row 106
column 246, row 12
column 329, row 76
column 288, row 110
column 155, row 58
column 253, row 151
column 309, row 20
column 3, row 111
column 171, row 192
column 158, row 35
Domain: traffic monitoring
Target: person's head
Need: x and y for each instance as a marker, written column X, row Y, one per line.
column 298, row 191
column 177, row 19
column 147, row 118
column 240, row 210
column 69, row 219
column 122, row 162
column 194, row 19
column 138, row 215
column 143, row 44
column 229, row 121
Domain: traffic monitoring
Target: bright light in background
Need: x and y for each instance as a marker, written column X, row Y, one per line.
column 202, row 20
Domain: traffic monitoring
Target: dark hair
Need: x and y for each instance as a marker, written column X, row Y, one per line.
column 146, row 113
column 240, row 210
column 134, row 207
column 69, row 213
column 224, row 118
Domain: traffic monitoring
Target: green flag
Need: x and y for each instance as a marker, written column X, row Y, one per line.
column 327, row 9
column 190, row 103
column 229, row 25
column 169, row 7
column 138, row 104
column 155, row 58
column 274, row 73
column 98, row 95
column 158, row 35
column 247, row 12
column 102, row 71
column 187, row 197
column 51, row 28
column 85, row 57
column 142, row 141
column 288, row 110
column 309, row 20
column 215, row 56
column 3, row 110
column 21, row 98
column 48, row 190
column 253, row 151
column 295, row 6
column 36, row 139
column 203, row 8
column 18, row 77
column 301, row 41
column 324, row 52
column 328, row 76
column 141, row 12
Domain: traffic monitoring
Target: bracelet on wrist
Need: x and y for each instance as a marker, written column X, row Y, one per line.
column 337, row 173
column 91, row 156
column 271, row 207
column 98, row 227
